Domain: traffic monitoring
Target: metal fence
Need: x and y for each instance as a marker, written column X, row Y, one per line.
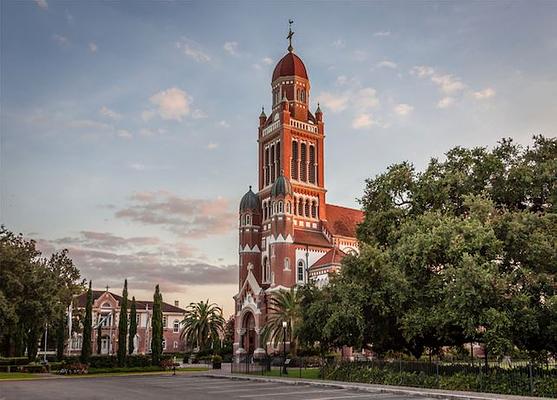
column 519, row 377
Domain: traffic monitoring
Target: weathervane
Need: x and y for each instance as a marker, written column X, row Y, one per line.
column 290, row 34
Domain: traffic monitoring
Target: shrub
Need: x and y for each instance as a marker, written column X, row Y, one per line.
column 73, row 368
column 216, row 359
column 138, row 360
column 168, row 364
column 13, row 360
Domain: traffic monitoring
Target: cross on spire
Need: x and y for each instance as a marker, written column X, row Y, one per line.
column 107, row 288
column 290, row 35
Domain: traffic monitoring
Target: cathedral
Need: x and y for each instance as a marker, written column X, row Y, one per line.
column 288, row 232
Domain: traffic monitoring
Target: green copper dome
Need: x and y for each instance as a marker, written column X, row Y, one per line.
column 250, row 201
column 281, row 187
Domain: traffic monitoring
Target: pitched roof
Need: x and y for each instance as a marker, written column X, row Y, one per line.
column 333, row 256
column 343, row 221
column 311, row 238
column 81, row 301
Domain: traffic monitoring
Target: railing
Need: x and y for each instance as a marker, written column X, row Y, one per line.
column 302, row 125
column 271, row 128
column 518, row 377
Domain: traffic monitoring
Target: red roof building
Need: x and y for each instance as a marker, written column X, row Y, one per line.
column 288, row 233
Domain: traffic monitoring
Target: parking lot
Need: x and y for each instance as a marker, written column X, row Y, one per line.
column 175, row 387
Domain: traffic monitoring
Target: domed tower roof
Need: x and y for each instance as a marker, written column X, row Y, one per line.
column 281, row 187
column 250, row 201
column 290, row 65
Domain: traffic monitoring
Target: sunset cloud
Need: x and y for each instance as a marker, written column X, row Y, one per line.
column 192, row 50
column 173, row 103
column 484, row 94
column 186, row 217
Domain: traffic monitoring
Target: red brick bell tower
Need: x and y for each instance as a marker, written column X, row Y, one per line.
column 286, row 229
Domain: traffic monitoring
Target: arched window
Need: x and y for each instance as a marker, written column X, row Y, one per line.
column 306, row 209
column 312, row 164
column 313, row 209
column 287, row 264
column 266, row 166
column 248, row 219
column 280, row 207
column 277, row 150
column 303, row 163
column 300, row 207
column 176, row 327
column 274, row 210
column 294, row 163
column 265, row 277
column 272, row 163
column 300, row 271
column 298, row 97
column 288, row 207
column 303, row 95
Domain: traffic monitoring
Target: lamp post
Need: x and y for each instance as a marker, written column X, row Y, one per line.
column 284, row 325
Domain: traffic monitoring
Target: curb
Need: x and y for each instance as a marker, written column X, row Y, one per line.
column 370, row 388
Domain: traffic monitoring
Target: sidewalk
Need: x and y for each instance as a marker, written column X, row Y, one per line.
column 366, row 387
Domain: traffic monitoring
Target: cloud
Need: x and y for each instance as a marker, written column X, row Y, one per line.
column 145, row 261
column 334, row 102
column 173, row 103
column 484, row 94
column 151, row 132
column 359, row 99
column 403, row 109
column 224, row 124
column 62, row 41
column 267, row 60
column 212, row 146
column 382, row 34
column 360, row 55
column 448, row 84
column 105, row 240
column 107, row 112
column 69, row 17
column 231, row 48
column 42, row 4
column 187, row 217
column 198, row 114
column 446, row 102
column 146, row 115
column 93, row 47
column 124, row 134
column 193, row 50
column 363, row 121
column 366, row 98
column 386, row 64
column 339, row 44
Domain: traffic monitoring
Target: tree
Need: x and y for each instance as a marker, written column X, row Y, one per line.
column 34, row 292
column 87, row 326
column 133, row 327
column 284, row 306
column 99, row 338
column 202, row 324
column 60, row 336
column 123, row 326
column 464, row 251
column 156, row 328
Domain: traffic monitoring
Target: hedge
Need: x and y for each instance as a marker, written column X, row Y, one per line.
column 497, row 380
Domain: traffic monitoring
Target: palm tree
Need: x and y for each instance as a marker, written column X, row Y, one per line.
column 202, row 323
column 283, row 306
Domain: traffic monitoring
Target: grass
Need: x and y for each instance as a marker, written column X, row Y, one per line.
column 98, row 372
column 304, row 373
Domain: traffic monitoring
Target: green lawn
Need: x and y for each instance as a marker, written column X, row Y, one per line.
column 20, row 375
column 97, row 373
column 306, row 373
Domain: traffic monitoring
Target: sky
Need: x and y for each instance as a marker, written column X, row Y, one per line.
column 128, row 129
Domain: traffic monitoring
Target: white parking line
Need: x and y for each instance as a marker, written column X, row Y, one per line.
column 253, row 387
column 285, row 393
column 341, row 397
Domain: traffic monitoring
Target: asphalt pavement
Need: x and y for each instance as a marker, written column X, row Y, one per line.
column 182, row 386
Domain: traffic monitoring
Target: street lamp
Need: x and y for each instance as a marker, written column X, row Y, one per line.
column 284, row 325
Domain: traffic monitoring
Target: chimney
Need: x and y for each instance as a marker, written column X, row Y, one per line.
column 176, row 303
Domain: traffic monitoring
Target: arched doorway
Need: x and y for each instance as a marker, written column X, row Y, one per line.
column 249, row 336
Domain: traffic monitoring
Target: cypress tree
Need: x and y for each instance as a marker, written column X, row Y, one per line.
column 99, row 338
column 123, row 326
column 87, row 324
column 60, row 336
column 133, row 327
column 156, row 328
